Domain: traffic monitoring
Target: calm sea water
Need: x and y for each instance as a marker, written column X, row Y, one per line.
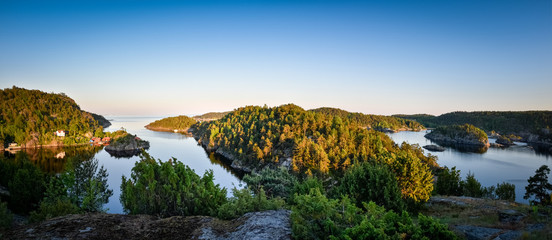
column 163, row 146
column 513, row 165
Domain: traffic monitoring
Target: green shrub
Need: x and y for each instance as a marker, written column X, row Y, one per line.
column 304, row 187
column 433, row 229
column 168, row 189
column 367, row 182
column 6, row 217
column 26, row 186
column 506, row 191
column 276, row 183
column 472, row 187
column 317, row 217
column 51, row 209
column 449, row 182
column 244, row 201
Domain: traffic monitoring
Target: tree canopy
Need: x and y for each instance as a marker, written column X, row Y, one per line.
column 172, row 123
column 312, row 143
column 32, row 117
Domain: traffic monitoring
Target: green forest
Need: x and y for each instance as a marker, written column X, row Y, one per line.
column 378, row 122
column 211, row 115
column 315, row 144
column 30, row 117
column 465, row 131
column 505, row 123
column 172, row 123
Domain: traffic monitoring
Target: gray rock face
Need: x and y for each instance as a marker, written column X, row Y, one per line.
column 456, row 141
column 127, row 147
column 434, row 148
column 510, row 216
column 477, row 233
column 272, row 224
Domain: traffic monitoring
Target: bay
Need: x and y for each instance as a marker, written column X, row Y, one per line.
column 496, row 165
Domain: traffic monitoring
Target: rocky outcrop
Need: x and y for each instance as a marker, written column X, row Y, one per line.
column 456, row 141
column 255, row 225
column 434, row 148
column 505, row 141
column 479, row 218
column 462, row 137
column 126, row 146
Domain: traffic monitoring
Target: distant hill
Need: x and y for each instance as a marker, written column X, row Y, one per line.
column 170, row 124
column 378, row 122
column 30, row 118
column 531, row 126
column 211, row 116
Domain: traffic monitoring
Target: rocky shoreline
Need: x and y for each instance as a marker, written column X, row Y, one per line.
column 165, row 129
column 456, row 141
column 127, row 146
column 434, row 148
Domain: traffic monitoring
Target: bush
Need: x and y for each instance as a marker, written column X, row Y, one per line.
column 26, row 186
column 168, row 189
column 6, row 217
column 317, row 217
column 244, row 201
column 305, row 186
column 51, row 209
column 472, row 187
column 276, row 183
column 359, row 183
column 432, row 229
column 506, row 191
column 449, row 182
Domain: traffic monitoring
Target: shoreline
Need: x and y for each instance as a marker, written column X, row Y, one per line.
column 45, row 146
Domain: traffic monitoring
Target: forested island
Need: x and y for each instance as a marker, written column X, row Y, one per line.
column 210, row 116
column 527, row 126
column 463, row 135
column 172, row 124
column 31, row 118
column 311, row 143
column 377, row 122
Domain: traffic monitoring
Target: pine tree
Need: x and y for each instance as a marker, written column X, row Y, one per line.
column 539, row 186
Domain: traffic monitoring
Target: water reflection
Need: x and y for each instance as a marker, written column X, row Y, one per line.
column 51, row 159
column 514, row 164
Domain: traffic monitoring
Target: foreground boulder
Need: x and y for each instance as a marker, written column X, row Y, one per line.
column 256, row 225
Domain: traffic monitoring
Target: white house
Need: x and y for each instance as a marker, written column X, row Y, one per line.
column 60, row 133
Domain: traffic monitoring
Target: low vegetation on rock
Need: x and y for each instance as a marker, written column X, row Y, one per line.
column 170, row 124
column 459, row 135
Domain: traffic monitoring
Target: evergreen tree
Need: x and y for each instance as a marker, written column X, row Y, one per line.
column 539, row 187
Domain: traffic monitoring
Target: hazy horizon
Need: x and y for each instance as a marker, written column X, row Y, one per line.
column 165, row 58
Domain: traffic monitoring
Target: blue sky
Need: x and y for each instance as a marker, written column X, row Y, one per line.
column 187, row 57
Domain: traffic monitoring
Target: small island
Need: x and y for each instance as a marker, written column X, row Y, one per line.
column 434, row 148
column 465, row 135
column 179, row 124
column 126, row 146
